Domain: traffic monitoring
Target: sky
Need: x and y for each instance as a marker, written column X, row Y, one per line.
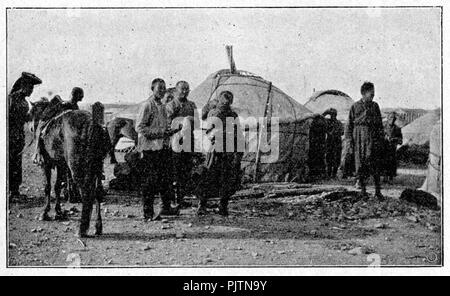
column 114, row 54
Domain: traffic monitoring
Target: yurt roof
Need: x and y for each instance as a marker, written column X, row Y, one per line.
column 418, row 132
column 320, row 101
column 250, row 95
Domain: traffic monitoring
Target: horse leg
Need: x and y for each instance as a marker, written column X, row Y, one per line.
column 114, row 136
column 60, row 175
column 48, row 188
column 98, row 223
column 86, row 211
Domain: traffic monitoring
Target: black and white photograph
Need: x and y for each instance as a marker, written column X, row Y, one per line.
column 296, row 137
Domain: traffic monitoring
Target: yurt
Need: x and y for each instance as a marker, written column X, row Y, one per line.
column 418, row 132
column 323, row 100
column 433, row 182
column 301, row 134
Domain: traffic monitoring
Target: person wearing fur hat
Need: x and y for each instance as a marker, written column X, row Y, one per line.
column 17, row 117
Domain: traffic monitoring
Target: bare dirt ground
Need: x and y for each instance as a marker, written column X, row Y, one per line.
column 290, row 231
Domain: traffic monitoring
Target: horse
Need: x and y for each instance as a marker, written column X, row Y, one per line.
column 73, row 142
column 117, row 128
column 35, row 114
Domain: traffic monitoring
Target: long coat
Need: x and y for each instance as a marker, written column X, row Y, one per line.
column 335, row 130
column 18, row 112
column 365, row 129
column 222, row 175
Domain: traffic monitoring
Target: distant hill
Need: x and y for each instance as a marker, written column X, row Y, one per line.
column 388, row 110
column 116, row 106
column 108, row 107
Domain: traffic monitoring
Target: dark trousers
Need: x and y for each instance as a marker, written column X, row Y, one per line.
column 156, row 179
column 390, row 160
column 15, row 164
column 221, row 177
column 182, row 168
column 333, row 158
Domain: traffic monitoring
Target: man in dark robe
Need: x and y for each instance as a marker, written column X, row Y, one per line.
column 179, row 108
column 222, row 175
column 17, row 117
column 365, row 128
column 335, row 130
column 393, row 138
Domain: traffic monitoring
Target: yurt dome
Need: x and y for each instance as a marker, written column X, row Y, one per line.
column 418, row 132
column 320, row 101
column 250, row 93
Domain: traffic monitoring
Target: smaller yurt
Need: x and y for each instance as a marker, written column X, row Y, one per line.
column 418, row 132
column 323, row 100
column 433, row 182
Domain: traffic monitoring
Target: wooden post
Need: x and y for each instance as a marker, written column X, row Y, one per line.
column 260, row 132
column 229, row 49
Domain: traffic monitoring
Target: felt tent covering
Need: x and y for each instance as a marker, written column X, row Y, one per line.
column 250, row 95
column 433, row 182
column 301, row 134
column 418, row 132
column 323, row 100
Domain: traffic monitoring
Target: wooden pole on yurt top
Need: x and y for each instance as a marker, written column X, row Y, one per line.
column 229, row 49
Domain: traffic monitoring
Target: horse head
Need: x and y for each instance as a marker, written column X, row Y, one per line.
column 36, row 111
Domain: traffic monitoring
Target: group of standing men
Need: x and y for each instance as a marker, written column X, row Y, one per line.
column 374, row 145
column 163, row 167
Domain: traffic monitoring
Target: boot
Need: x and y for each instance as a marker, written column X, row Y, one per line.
column 148, row 209
column 167, row 210
column 182, row 204
column 223, row 208
column 378, row 194
column 202, row 209
column 358, row 185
